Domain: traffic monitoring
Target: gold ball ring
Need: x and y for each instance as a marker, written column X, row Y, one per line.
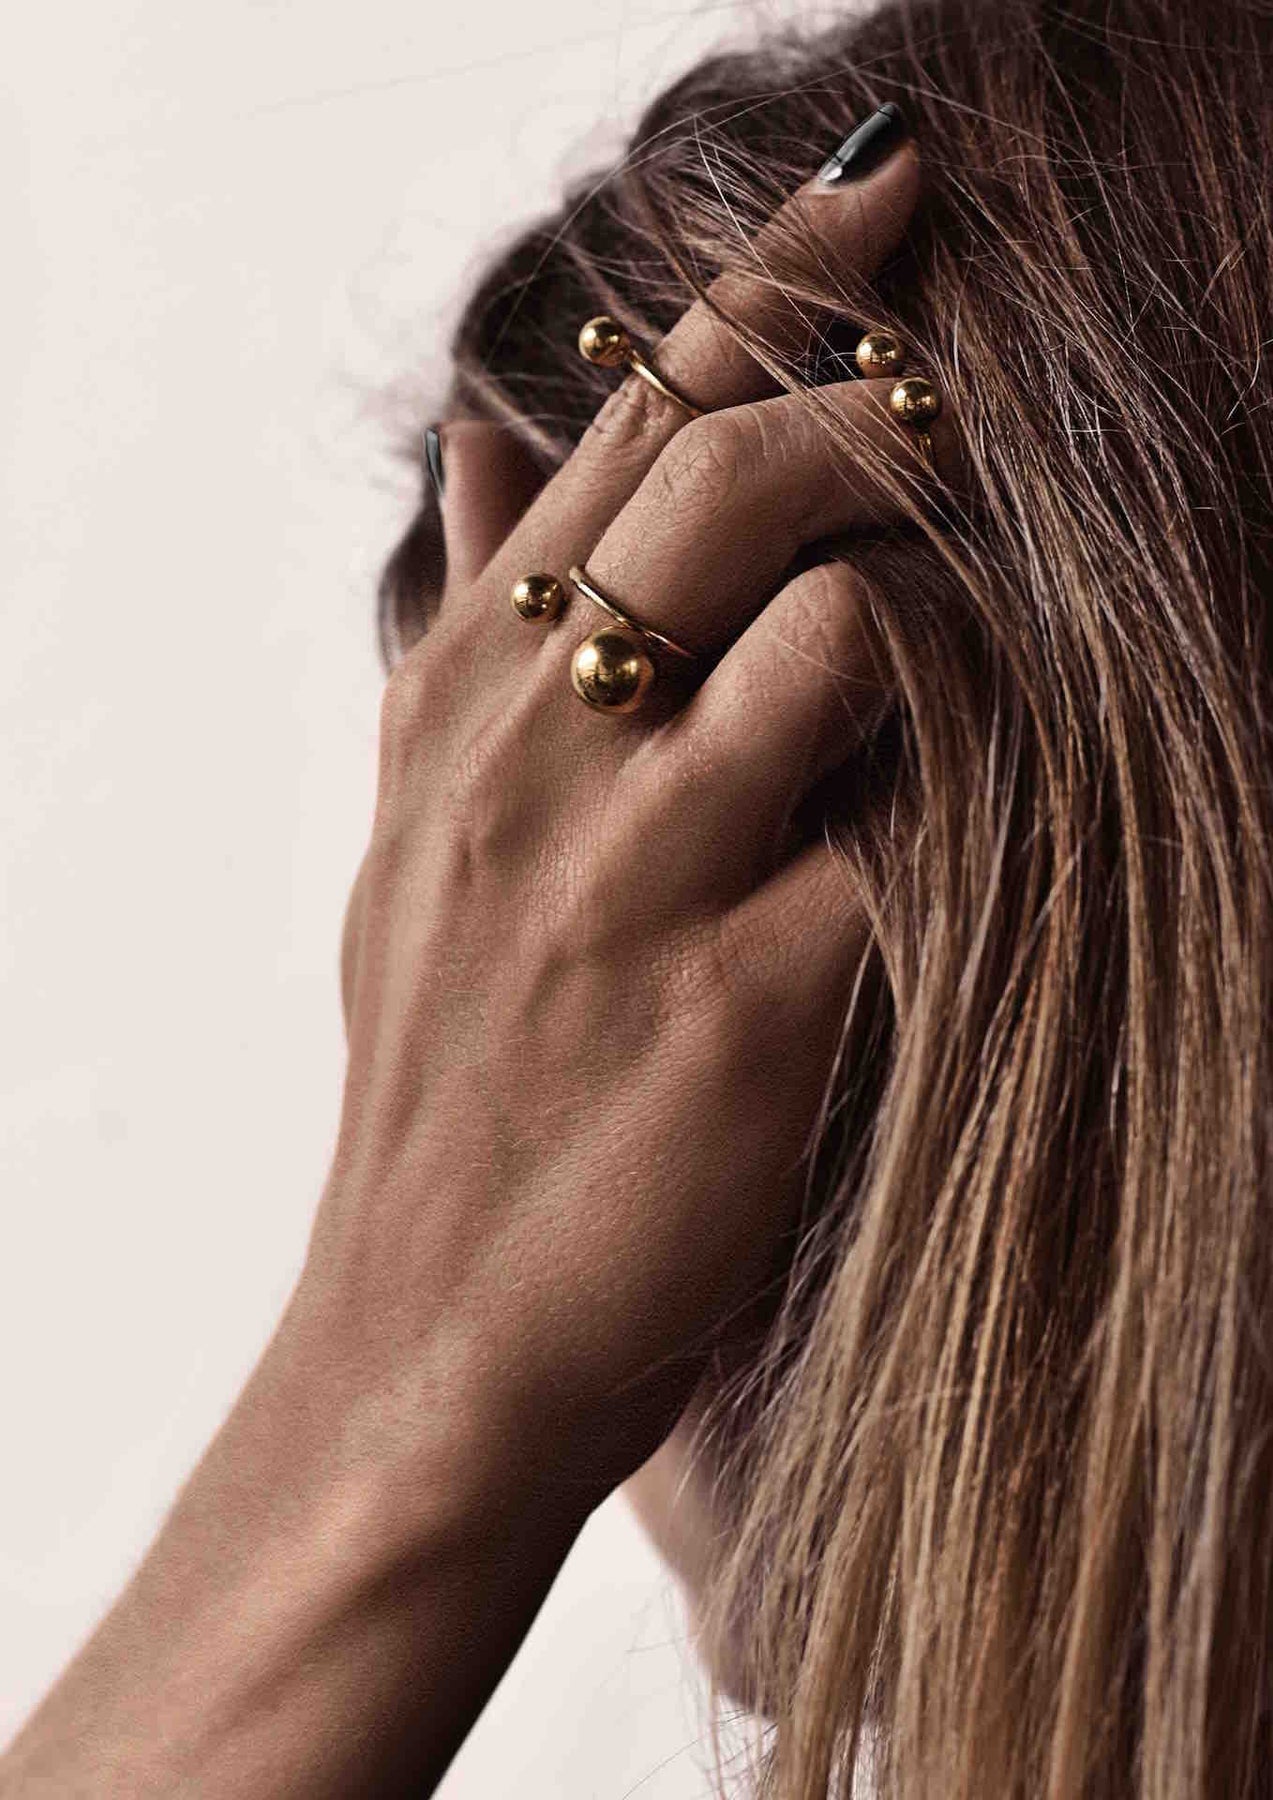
column 604, row 343
column 881, row 353
column 915, row 403
column 612, row 670
column 538, row 598
column 580, row 578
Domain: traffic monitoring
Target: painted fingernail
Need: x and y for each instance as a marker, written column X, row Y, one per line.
column 865, row 148
column 433, row 459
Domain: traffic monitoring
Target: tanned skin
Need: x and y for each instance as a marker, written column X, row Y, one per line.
column 591, row 1007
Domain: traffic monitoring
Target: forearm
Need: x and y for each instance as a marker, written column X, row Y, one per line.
column 323, row 1613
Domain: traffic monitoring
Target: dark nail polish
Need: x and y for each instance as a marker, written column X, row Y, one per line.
column 433, row 458
column 865, row 148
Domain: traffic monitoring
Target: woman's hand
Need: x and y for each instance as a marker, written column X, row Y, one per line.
column 592, row 1003
column 593, row 995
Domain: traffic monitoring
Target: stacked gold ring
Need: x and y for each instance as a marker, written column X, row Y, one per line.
column 605, row 343
column 580, row 578
column 913, row 401
column 614, row 669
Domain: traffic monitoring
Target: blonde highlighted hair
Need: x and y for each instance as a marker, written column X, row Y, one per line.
column 1002, row 1509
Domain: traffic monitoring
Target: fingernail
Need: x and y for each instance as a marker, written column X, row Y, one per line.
column 865, row 148
column 433, row 459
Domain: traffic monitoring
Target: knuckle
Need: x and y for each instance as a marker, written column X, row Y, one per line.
column 629, row 418
column 826, row 605
column 479, row 800
column 421, row 694
column 705, row 461
column 744, row 1003
column 400, row 704
column 715, row 979
column 829, row 587
column 829, row 616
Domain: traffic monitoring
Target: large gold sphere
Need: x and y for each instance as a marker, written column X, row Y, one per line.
column 603, row 341
column 881, row 353
column 915, row 402
column 612, row 670
column 538, row 598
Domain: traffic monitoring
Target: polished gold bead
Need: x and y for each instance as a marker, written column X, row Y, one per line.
column 881, row 353
column 612, row 670
column 538, row 598
column 915, row 402
column 603, row 341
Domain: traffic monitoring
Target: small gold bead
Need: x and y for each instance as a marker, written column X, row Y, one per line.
column 538, row 598
column 603, row 341
column 612, row 670
column 915, row 402
column 881, row 353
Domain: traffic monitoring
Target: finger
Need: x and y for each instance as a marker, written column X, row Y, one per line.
column 737, row 495
column 801, row 690
column 799, row 938
column 835, row 234
column 488, row 481
column 832, row 232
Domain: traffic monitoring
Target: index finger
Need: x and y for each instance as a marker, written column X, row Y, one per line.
column 834, row 232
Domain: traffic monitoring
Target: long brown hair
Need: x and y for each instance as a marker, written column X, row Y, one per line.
column 1002, row 1516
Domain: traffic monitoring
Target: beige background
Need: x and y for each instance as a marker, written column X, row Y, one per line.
column 224, row 229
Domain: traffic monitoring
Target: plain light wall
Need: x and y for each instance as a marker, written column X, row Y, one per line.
column 225, row 229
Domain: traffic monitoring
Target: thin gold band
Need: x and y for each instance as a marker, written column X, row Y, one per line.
column 638, row 365
column 581, row 579
column 608, row 345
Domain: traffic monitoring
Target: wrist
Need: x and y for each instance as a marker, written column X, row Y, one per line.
column 326, row 1609
column 417, row 1436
